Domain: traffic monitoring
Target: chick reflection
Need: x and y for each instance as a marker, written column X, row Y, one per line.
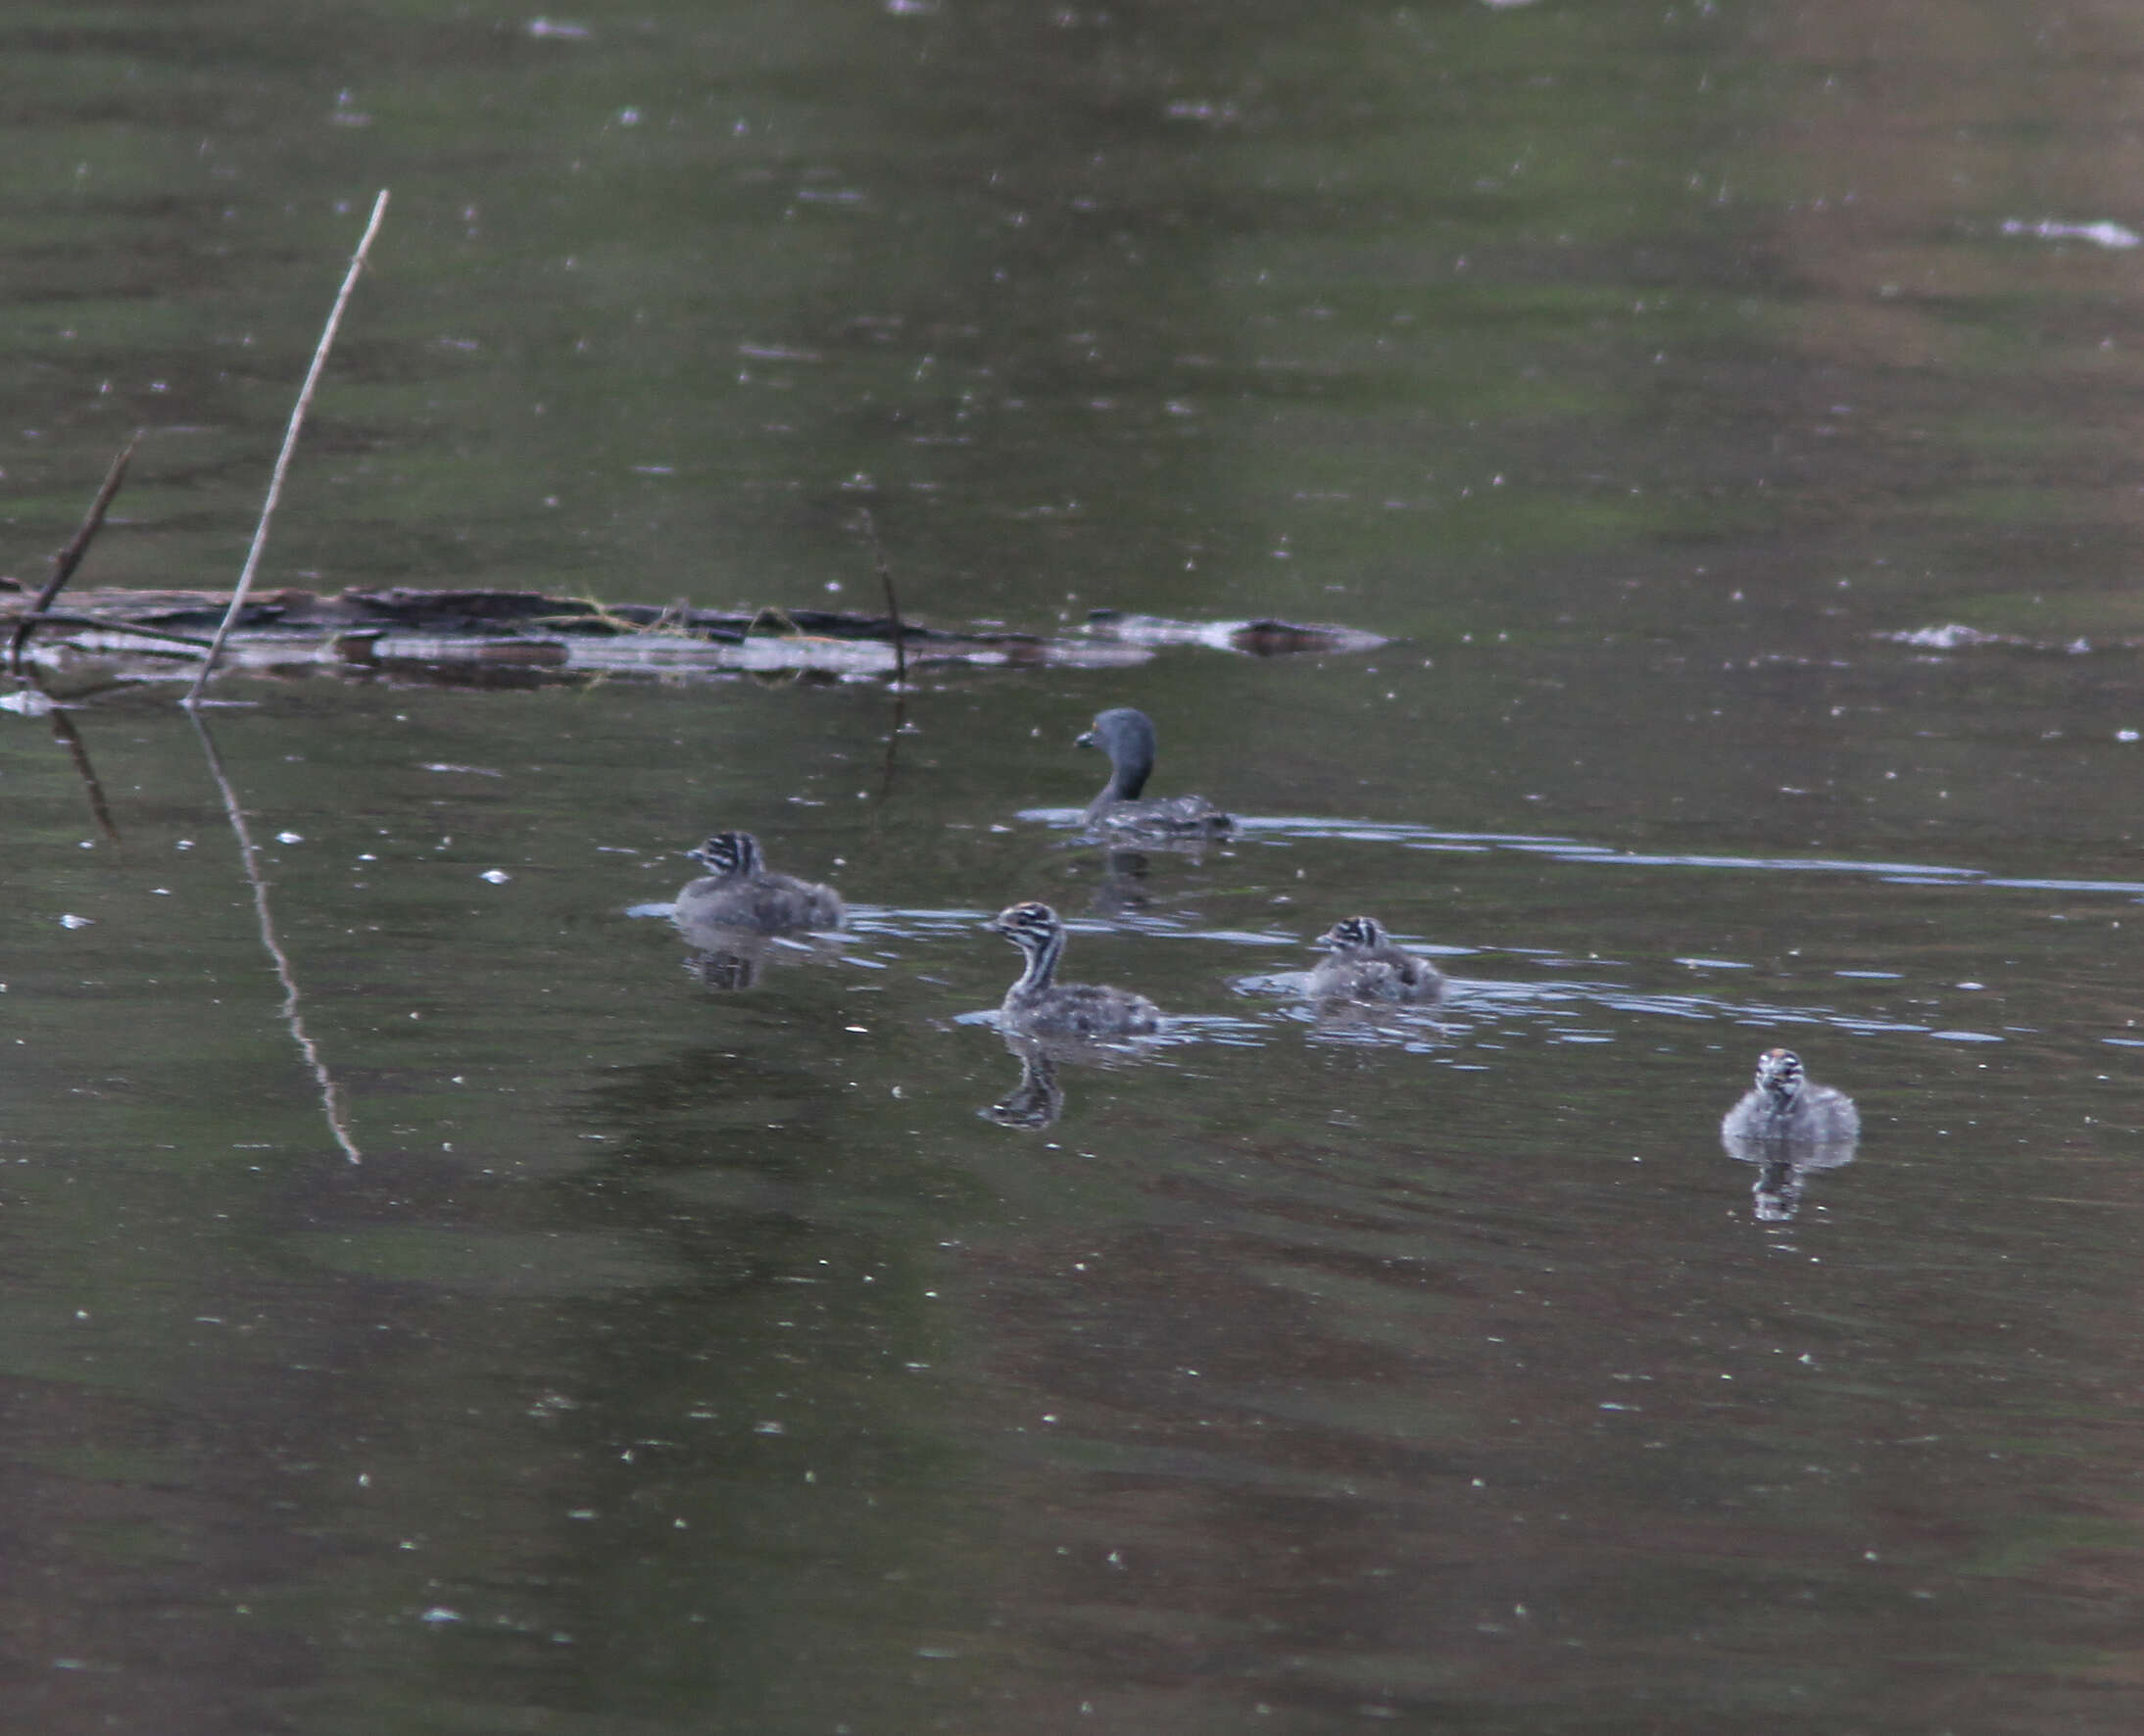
column 726, row 957
column 1781, row 1170
column 1038, row 1099
column 1787, row 1126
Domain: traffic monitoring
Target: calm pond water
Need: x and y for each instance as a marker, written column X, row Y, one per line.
column 437, row 1299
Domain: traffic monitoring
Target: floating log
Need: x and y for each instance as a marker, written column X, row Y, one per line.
column 152, row 632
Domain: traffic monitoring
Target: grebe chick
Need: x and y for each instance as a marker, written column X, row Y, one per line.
column 1065, row 1009
column 1128, row 738
column 1785, row 1105
column 1362, row 964
column 741, row 891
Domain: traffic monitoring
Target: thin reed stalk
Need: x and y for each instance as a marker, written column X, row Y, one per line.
column 291, row 445
column 893, row 603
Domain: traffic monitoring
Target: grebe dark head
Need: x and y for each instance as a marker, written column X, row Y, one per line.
column 1128, row 738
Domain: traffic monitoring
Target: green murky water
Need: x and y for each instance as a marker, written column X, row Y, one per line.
column 1659, row 379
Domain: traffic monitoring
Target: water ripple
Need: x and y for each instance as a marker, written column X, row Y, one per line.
column 1284, row 829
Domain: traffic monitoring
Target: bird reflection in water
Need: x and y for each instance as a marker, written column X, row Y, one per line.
column 1788, row 1126
column 726, row 957
column 1784, row 1169
column 1123, row 889
column 1038, row 1099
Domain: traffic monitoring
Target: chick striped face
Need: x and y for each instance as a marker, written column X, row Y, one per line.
column 728, row 853
column 1779, row 1072
column 1029, row 927
column 1353, row 933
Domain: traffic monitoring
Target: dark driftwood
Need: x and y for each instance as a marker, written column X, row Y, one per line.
column 518, row 614
column 531, row 615
column 458, row 634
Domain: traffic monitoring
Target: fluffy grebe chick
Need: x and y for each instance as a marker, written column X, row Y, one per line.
column 1362, row 963
column 1786, row 1105
column 740, row 889
column 1036, row 1002
column 1128, row 738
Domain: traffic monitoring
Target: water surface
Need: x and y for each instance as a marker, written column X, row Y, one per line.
column 1724, row 412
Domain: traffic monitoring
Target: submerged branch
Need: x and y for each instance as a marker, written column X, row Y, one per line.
column 70, row 557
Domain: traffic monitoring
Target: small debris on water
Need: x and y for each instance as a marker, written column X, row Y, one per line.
column 2111, row 235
